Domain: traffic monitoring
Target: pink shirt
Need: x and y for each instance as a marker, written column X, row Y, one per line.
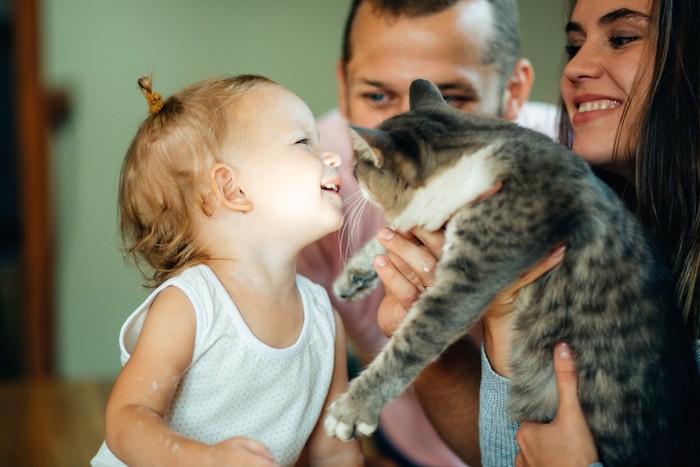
column 402, row 420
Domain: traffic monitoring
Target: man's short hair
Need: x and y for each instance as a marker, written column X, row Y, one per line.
column 503, row 49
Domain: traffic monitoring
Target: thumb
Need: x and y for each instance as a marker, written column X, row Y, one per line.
column 565, row 372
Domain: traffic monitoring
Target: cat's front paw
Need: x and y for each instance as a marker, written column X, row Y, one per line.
column 354, row 283
column 347, row 418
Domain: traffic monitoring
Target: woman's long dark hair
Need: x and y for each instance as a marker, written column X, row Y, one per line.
column 666, row 148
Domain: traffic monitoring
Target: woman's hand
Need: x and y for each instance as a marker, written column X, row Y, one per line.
column 449, row 388
column 497, row 326
column 567, row 440
column 408, row 269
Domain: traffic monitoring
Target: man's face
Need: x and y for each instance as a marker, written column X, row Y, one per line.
column 446, row 48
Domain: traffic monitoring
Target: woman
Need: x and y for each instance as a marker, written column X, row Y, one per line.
column 630, row 98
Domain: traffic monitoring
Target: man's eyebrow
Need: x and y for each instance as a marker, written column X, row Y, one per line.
column 609, row 18
column 446, row 86
column 376, row 84
column 458, row 85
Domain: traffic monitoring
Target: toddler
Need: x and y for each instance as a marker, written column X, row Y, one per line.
column 233, row 358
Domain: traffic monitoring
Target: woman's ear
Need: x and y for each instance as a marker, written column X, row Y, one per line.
column 224, row 182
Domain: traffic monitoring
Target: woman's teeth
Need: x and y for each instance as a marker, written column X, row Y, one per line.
column 603, row 104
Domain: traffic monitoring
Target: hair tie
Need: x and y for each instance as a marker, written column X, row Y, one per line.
column 154, row 99
column 155, row 102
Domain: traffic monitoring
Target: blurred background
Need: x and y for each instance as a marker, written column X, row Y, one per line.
column 70, row 105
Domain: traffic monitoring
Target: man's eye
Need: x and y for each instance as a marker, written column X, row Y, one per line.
column 457, row 101
column 454, row 99
column 375, row 96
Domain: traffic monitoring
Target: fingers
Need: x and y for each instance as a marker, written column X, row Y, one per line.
column 433, row 241
column 555, row 256
column 504, row 303
column 396, row 283
column 390, row 315
column 566, row 440
column 406, row 271
column 416, row 262
column 565, row 372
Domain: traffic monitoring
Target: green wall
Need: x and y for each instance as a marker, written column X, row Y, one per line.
column 96, row 49
column 543, row 41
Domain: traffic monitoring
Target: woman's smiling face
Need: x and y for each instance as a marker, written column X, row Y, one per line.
column 609, row 46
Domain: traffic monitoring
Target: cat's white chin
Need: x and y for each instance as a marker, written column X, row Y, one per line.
column 469, row 178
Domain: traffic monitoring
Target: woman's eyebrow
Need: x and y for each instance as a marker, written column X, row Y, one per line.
column 622, row 13
column 609, row 18
column 573, row 27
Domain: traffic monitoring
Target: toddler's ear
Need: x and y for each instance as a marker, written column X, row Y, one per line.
column 225, row 183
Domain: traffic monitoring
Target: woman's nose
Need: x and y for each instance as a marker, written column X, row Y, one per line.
column 584, row 64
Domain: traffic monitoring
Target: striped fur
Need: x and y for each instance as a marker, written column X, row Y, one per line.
column 610, row 299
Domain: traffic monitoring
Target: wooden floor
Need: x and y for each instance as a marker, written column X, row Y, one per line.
column 51, row 424
column 60, row 424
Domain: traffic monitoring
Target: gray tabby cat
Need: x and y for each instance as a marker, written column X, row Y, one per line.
column 610, row 298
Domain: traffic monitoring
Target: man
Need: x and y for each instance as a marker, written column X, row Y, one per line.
column 470, row 49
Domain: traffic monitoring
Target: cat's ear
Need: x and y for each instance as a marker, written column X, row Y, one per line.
column 424, row 93
column 224, row 182
column 370, row 144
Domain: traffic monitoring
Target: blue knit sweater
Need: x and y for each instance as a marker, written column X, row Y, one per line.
column 496, row 429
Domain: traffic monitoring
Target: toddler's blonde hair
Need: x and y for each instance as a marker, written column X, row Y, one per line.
column 164, row 177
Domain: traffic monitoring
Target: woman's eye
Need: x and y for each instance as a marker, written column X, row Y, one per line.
column 572, row 50
column 619, row 41
column 303, row 141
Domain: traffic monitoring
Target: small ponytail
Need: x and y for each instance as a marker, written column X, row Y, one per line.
column 155, row 101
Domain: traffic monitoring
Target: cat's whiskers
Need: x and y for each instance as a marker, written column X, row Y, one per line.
column 376, row 113
column 350, row 204
column 355, row 206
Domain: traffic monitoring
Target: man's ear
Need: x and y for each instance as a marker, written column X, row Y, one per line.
column 224, row 182
column 341, row 80
column 518, row 89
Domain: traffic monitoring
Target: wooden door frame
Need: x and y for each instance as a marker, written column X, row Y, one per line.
column 35, row 180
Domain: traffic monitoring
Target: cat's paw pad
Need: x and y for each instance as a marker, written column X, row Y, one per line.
column 354, row 283
column 343, row 421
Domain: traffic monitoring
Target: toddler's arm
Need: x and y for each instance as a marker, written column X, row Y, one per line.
column 134, row 428
column 322, row 449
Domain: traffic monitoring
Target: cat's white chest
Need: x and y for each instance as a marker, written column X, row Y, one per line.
column 446, row 192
